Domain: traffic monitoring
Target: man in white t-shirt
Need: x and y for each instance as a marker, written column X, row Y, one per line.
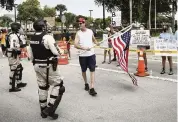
column 84, row 40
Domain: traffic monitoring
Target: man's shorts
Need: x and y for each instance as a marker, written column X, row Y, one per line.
column 88, row 62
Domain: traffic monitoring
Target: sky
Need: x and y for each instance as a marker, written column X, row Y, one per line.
column 78, row 7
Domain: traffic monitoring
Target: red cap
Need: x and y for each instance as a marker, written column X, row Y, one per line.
column 81, row 20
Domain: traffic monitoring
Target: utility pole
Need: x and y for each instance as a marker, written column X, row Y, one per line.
column 173, row 16
column 130, row 4
column 104, row 21
column 15, row 12
column 155, row 14
column 150, row 15
column 90, row 13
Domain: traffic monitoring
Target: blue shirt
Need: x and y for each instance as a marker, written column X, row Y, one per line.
column 167, row 36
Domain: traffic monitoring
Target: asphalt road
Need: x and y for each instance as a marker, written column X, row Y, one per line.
column 118, row 100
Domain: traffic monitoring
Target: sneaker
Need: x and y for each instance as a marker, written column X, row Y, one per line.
column 92, row 92
column 86, row 87
column 21, row 85
column 103, row 62
column 171, row 73
column 163, row 71
column 114, row 59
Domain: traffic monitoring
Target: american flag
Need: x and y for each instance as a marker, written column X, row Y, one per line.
column 120, row 44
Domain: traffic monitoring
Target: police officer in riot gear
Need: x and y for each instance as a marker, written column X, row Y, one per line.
column 14, row 42
column 43, row 52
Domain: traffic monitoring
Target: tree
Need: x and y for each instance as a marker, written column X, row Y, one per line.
column 61, row 8
column 29, row 10
column 5, row 21
column 140, row 8
column 70, row 19
column 49, row 12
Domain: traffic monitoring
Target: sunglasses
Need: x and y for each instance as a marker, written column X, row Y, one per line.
column 81, row 23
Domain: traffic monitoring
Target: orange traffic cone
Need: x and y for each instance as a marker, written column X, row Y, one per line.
column 63, row 59
column 141, row 66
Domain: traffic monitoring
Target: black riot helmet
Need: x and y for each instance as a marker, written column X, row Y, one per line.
column 15, row 27
column 39, row 25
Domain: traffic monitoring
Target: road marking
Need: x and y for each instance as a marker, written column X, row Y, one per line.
column 122, row 72
column 135, row 64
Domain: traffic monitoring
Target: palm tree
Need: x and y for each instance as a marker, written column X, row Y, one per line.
column 61, row 8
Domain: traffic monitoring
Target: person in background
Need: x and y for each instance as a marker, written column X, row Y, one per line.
column 24, row 39
column 109, row 47
column 0, row 35
column 146, row 47
column 113, row 32
column 176, row 37
column 67, row 38
column 3, row 41
column 166, row 34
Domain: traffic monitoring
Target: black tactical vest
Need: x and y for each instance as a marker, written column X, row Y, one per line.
column 38, row 49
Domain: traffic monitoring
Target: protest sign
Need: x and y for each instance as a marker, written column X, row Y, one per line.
column 165, row 47
column 116, row 19
column 140, row 37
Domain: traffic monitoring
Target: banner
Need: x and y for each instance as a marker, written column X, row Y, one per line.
column 116, row 19
column 164, row 47
column 104, row 44
column 140, row 37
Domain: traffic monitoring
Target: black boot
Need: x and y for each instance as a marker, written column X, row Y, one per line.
column 42, row 114
column 48, row 112
column 14, row 89
column 171, row 72
column 21, row 85
column 163, row 71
